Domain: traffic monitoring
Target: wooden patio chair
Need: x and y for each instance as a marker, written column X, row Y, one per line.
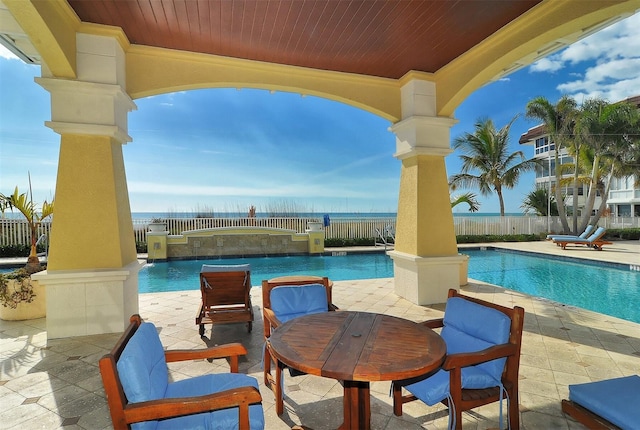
column 140, row 395
column 226, row 295
column 283, row 300
column 483, row 357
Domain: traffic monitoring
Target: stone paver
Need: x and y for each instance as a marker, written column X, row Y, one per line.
column 56, row 383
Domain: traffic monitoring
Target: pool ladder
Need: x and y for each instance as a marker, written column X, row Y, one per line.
column 387, row 237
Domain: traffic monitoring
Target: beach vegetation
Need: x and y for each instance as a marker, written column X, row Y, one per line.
column 23, row 203
column 540, row 203
column 487, row 163
column 469, row 198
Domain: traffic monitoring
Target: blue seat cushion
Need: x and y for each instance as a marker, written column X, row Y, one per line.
column 291, row 301
column 468, row 327
column 471, row 327
column 615, row 400
column 142, row 366
column 212, row 268
column 222, row 419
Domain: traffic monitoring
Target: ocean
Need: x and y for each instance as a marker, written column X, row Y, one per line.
column 151, row 215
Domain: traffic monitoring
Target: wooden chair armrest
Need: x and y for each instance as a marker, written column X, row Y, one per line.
column 434, row 323
column 271, row 317
column 229, row 350
column 472, row 358
column 172, row 407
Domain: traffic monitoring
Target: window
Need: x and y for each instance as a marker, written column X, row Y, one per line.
column 624, row 210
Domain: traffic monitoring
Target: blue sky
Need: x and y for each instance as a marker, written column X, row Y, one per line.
column 227, row 149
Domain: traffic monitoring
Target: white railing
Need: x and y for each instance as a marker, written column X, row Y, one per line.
column 16, row 232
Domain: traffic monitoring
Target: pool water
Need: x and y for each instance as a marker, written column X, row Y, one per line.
column 607, row 289
column 184, row 275
column 598, row 287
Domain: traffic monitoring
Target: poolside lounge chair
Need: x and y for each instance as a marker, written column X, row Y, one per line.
column 595, row 241
column 587, row 231
column 283, row 301
column 481, row 367
column 607, row 404
column 226, row 295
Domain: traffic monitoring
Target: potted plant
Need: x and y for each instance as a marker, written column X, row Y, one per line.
column 20, row 297
column 23, row 203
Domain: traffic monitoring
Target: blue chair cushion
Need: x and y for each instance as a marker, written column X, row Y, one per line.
column 471, row 327
column 210, row 268
column 615, row 400
column 468, row 327
column 142, row 366
column 222, row 419
column 291, row 301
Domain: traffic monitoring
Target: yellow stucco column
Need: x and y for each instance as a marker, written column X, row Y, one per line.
column 92, row 272
column 426, row 260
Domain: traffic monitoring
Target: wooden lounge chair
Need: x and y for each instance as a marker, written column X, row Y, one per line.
column 607, row 404
column 140, row 395
column 281, row 302
column 483, row 357
column 226, row 295
column 587, row 231
column 595, row 241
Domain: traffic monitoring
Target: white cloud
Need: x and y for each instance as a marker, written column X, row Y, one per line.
column 547, row 65
column 5, row 53
column 610, row 59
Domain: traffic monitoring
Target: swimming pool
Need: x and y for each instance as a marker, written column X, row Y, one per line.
column 604, row 288
column 184, row 275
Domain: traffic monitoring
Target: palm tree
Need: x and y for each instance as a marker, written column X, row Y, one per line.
column 486, row 162
column 611, row 132
column 539, row 202
column 24, row 204
column 559, row 121
column 468, row 198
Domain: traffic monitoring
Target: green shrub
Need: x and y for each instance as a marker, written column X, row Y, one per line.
column 141, row 247
column 489, row 238
column 623, row 233
column 7, row 251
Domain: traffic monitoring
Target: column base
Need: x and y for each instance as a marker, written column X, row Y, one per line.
column 86, row 302
column 427, row 280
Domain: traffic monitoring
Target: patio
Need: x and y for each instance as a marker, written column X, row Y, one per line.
column 56, row 383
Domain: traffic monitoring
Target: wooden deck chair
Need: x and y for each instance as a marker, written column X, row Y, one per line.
column 608, row 404
column 281, row 302
column 226, row 295
column 595, row 241
column 587, row 231
column 483, row 358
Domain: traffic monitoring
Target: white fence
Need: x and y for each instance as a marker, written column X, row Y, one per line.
column 16, row 232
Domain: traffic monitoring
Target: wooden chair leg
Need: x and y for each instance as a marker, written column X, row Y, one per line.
column 278, row 389
column 514, row 410
column 397, row 400
column 267, row 367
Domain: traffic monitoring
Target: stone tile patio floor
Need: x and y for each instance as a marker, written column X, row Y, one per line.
column 56, row 383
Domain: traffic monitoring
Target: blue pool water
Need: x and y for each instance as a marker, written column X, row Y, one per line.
column 598, row 287
column 184, row 275
column 607, row 289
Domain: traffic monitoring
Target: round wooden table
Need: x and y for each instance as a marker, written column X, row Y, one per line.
column 357, row 348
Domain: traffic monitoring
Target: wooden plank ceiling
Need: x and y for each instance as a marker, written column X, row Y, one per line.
column 384, row 38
